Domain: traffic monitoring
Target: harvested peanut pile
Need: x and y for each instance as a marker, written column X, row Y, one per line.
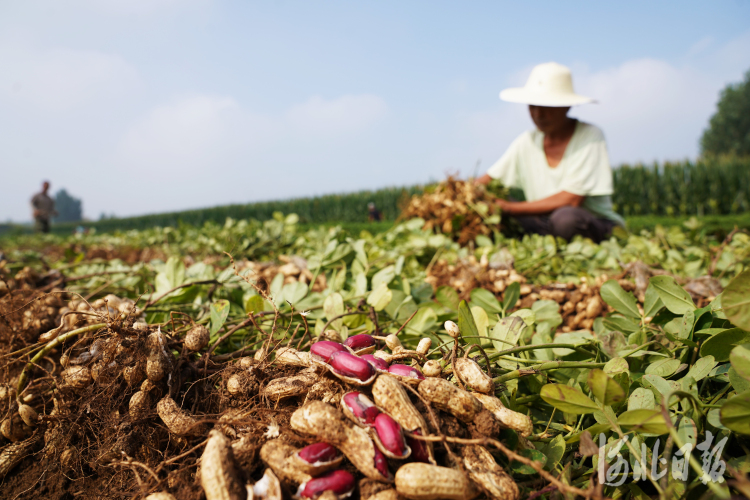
column 460, row 209
column 110, row 398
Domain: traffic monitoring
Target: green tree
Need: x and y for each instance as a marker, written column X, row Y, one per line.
column 728, row 130
column 69, row 209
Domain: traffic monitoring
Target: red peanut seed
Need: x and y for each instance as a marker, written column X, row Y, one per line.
column 318, row 452
column 390, row 435
column 325, row 348
column 381, row 463
column 337, row 481
column 405, row 371
column 362, row 408
column 349, row 365
column 378, row 363
column 360, row 341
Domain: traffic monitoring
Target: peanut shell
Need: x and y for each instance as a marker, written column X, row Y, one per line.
column 292, row 357
column 473, row 376
column 178, row 421
column 287, row 387
column 418, row 481
column 508, row 418
column 219, row 476
column 450, row 398
column 279, row 457
column 487, row 474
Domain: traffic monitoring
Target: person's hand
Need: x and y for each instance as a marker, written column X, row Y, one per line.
column 504, row 205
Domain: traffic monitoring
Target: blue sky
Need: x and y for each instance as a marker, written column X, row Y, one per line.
column 141, row 106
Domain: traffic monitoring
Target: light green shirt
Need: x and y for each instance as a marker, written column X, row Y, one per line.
column 584, row 169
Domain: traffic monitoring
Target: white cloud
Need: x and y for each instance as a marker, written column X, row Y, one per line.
column 179, row 137
column 197, row 132
column 335, row 118
column 59, row 79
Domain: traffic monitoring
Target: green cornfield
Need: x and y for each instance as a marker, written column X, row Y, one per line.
column 707, row 187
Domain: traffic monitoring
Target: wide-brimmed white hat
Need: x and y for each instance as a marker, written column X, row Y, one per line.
column 549, row 84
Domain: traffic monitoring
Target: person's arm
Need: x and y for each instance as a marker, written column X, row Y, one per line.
column 485, row 179
column 543, row 206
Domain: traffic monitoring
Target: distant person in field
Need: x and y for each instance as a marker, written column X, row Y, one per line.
column 43, row 208
column 562, row 165
column 373, row 214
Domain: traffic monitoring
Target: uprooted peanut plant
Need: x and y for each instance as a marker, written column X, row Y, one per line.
column 396, row 367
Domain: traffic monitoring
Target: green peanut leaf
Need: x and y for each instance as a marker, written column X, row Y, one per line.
column 447, row 297
column 621, row 301
column 644, row 421
column 740, row 359
column 675, row 298
column 486, row 300
column 568, row 399
column 506, row 332
column 535, row 455
column 702, row 368
column 652, row 303
column 720, row 345
column 641, row 398
column 466, row 321
column 219, row 313
column 736, row 300
column 380, row 297
column 512, row 294
column 604, row 388
column 735, row 413
column 663, row 367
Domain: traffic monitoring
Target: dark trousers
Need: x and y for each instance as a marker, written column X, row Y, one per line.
column 42, row 225
column 567, row 222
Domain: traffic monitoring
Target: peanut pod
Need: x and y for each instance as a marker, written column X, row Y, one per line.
column 14, row 453
column 268, row 488
column 487, row 474
column 472, row 375
column 287, row 387
column 139, row 405
column 450, row 398
column 432, row 368
column 219, row 476
column 508, row 418
column 161, row 495
column 392, row 398
column 292, row 357
column 328, row 424
column 178, row 421
column 279, row 457
column 197, row 338
column 158, row 363
column 76, row 377
column 430, row 482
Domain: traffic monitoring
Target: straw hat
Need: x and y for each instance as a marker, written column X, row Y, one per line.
column 549, row 84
